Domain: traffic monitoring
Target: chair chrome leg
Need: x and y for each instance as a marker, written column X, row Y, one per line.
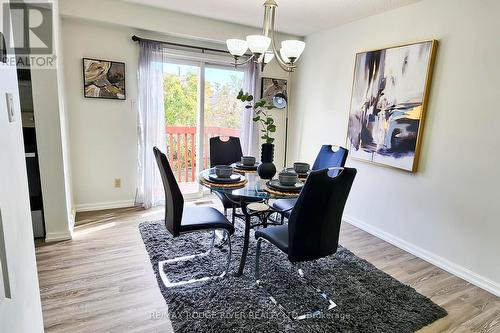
column 167, row 283
column 260, row 284
column 229, row 251
column 257, row 257
column 221, row 235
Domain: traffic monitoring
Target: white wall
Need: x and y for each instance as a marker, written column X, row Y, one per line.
column 52, row 143
column 448, row 212
column 22, row 312
column 103, row 132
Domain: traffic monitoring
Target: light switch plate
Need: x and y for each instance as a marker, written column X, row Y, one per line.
column 10, row 106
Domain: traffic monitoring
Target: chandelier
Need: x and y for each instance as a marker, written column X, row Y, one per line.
column 286, row 56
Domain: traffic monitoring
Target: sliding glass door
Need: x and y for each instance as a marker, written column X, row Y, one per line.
column 222, row 111
column 199, row 103
column 181, row 86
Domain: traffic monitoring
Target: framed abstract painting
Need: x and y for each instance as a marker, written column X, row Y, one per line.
column 274, row 91
column 389, row 97
column 103, row 79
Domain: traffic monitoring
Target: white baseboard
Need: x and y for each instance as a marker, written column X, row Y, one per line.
column 104, row 205
column 453, row 268
column 57, row 236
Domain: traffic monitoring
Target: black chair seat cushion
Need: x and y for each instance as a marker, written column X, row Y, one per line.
column 277, row 235
column 202, row 218
column 285, row 205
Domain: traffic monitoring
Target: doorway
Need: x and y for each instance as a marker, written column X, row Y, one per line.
column 31, row 151
column 200, row 103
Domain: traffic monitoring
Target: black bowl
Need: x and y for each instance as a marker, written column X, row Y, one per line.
column 301, row 167
column 288, row 178
column 223, row 171
column 248, row 160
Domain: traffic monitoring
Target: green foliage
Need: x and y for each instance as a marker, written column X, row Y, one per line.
column 181, row 101
column 221, row 110
column 261, row 116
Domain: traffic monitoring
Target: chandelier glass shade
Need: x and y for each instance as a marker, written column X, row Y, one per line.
column 258, row 44
column 237, row 47
column 283, row 56
column 292, row 49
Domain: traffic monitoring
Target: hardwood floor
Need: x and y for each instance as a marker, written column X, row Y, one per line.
column 102, row 280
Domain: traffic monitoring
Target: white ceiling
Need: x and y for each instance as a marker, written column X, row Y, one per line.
column 297, row 17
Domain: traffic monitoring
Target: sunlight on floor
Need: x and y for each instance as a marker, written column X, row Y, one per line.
column 80, row 233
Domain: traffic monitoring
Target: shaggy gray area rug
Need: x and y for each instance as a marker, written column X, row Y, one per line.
column 368, row 300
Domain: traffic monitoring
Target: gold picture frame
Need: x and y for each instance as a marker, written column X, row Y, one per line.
column 383, row 126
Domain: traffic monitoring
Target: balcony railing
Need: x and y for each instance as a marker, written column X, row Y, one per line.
column 181, row 148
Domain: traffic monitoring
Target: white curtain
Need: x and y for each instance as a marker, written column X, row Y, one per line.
column 150, row 124
column 249, row 129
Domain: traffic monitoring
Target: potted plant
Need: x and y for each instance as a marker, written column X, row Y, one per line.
column 266, row 169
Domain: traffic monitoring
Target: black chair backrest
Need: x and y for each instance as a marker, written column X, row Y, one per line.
column 174, row 201
column 314, row 224
column 329, row 157
column 225, row 152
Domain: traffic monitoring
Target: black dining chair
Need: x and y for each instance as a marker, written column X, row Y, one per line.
column 226, row 152
column 180, row 220
column 329, row 156
column 314, row 225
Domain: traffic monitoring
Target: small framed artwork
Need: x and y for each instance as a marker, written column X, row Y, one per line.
column 103, row 79
column 389, row 98
column 274, row 91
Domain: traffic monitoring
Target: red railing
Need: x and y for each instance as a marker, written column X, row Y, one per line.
column 181, row 147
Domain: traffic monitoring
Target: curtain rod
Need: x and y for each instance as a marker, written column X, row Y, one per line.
column 203, row 49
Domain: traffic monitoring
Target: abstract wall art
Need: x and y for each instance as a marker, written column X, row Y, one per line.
column 389, row 97
column 104, row 79
column 275, row 92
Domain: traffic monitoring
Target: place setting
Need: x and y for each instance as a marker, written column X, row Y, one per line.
column 302, row 170
column 290, row 181
column 248, row 164
column 224, row 176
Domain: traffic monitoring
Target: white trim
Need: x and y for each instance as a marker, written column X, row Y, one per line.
column 58, row 236
column 104, row 205
column 451, row 267
column 200, row 123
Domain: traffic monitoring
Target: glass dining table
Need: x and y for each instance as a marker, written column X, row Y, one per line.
column 244, row 194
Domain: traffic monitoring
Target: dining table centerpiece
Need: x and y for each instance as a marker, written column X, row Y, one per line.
column 260, row 108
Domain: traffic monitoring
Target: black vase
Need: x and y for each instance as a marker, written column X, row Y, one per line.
column 267, row 169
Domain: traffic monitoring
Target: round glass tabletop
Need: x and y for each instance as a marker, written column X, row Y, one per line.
column 254, row 187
